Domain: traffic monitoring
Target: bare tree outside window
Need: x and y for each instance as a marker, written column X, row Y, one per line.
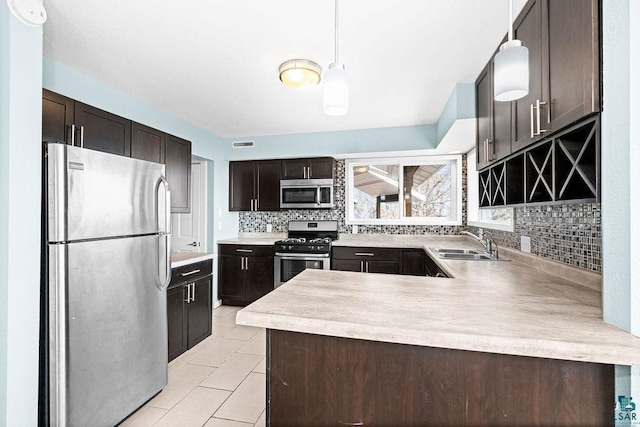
column 395, row 191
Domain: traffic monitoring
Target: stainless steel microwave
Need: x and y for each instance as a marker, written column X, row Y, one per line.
column 306, row 194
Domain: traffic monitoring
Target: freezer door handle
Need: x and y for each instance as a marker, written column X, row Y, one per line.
column 167, row 205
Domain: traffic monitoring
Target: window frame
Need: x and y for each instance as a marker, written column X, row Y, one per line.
column 456, row 189
column 473, row 201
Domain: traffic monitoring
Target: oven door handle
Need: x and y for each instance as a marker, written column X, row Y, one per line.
column 298, row 256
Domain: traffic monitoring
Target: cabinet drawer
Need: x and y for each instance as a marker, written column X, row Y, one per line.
column 246, row 250
column 190, row 272
column 365, row 253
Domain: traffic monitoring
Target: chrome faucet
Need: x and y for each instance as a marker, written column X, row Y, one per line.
column 485, row 240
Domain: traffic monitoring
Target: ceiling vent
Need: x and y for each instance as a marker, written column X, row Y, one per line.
column 243, row 144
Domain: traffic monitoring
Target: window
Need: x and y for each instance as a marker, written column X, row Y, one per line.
column 405, row 190
column 497, row 219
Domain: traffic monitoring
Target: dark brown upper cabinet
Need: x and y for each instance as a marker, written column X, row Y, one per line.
column 71, row 122
column 315, row 167
column 528, row 29
column 102, row 131
column 67, row 121
column 572, row 63
column 147, row 143
column 178, row 173
column 563, row 38
column 57, row 117
column 493, row 124
column 254, row 185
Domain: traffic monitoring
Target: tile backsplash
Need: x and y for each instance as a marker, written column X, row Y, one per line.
column 571, row 234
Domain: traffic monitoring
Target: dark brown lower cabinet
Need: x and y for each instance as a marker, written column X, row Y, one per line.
column 245, row 273
column 379, row 260
column 189, row 307
column 413, row 262
column 177, row 321
column 324, row 380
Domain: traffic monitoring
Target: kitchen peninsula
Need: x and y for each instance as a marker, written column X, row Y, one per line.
column 500, row 343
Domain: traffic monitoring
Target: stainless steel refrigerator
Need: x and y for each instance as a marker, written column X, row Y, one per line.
column 107, row 255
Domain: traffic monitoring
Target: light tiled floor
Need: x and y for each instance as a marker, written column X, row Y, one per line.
column 218, row 383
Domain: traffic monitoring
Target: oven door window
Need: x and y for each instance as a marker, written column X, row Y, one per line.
column 289, row 268
column 299, row 195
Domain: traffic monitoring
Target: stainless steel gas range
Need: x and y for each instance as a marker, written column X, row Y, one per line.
column 308, row 245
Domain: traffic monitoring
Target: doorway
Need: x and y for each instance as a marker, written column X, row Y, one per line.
column 188, row 231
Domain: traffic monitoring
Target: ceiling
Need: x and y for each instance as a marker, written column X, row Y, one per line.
column 215, row 63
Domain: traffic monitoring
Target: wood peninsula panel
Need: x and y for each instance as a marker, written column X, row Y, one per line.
column 323, row 380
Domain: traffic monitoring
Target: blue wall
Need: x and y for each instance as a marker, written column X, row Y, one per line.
column 20, row 160
column 620, row 174
column 419, row 137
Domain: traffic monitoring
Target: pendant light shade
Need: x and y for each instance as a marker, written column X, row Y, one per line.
column 300, row 73
column 335, row 91
column 511, row 71
column 511, row 67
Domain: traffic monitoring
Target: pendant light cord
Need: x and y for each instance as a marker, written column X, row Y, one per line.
column 510, row 20
column 336, row 35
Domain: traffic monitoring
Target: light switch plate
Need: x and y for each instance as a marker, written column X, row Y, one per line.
column 269, row 228
column 525, row 244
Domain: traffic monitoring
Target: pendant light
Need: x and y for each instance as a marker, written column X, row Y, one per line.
column 335, row 87
column 511, row 67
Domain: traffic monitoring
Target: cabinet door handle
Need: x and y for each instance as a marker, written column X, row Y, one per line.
column 81, row 136
column 532, row 124
column 246, row 263
column 484, row 148
column 484, row 151
column 366, row 266
column 190, row 273
column 256, row 204
column 538, row 107
column 193, row 292
column 491, row 147
column 361, row 266
column 73, row 135
column 245, row 250
column 364, row 254
column 188, row 294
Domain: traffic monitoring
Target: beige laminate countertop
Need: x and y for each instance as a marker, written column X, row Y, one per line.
column 178, row 259
column 490, row 306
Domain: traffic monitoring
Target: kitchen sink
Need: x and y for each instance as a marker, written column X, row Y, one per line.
column 456, row 251
column 465, row 254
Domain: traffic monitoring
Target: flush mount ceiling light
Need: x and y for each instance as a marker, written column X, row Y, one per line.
column 300, row 73
column 511, row 67
column 29, row 12
column 335, row 87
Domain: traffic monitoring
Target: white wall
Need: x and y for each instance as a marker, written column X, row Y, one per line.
column 20, row 165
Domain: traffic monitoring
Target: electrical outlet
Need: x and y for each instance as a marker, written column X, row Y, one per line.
column 525, row 244
column 269, row 228
column 354, row 229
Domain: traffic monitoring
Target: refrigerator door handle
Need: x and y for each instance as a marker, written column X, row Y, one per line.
column 163, row 282
column 167, row 205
